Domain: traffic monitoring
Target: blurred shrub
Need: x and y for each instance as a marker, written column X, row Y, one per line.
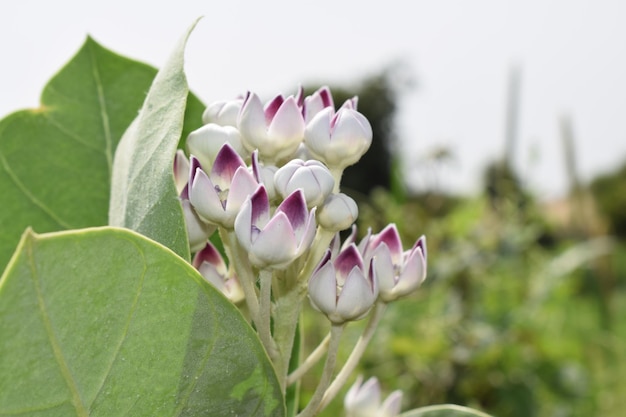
column 609, row 192
column 502, row 323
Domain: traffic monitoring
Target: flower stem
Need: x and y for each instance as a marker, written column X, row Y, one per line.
column 356, row 354
column 239, row 260
column 314, row 404
column 265, row 311
column 286, row 316
column 310, row 361
column 337, row 173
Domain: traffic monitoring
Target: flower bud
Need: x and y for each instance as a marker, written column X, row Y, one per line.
column 275, row 241
column 276, row 130
column 223, row 113
column 399, row 273
column 217, row 197
column 338, row 139
column 211, row 265
column 317, row 102
column 344, row 288
column 198, row 231
column 363, row 400
column 338, row 212
column 204, row 143
column 312, row 177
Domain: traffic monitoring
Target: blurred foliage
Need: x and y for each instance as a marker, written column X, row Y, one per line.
column 503, row 323
column 609, row 192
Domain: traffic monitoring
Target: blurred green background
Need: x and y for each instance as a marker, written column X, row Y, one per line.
column 522, row 313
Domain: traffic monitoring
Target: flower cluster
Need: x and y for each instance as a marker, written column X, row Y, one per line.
column 267, row 177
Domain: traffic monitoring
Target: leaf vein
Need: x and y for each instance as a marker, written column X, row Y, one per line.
column 131, row 313
column 69, row 134
column 52, row 338
column 13, row 176
column 103, row 113
column 200, row 368
column 28, row 411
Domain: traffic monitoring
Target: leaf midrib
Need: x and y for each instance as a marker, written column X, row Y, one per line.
column 77, row 401
column 106, row 125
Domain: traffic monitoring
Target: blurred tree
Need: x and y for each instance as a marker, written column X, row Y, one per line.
column 610, row 193
column 503, row 186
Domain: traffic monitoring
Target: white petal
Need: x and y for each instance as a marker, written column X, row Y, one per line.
column 251, row 123
column 243, row 185
column 205, row 199
column 391, row 406
column 197, row 231
column 181, row 170
column 338, row 212
column 275, row 244
column 243, row 224
column 306, row 235
column 356, row 296
column 413, row 274
column 204, row 143
column 323, row 289
column 223, row 113
column 287, row 126
column 384, row 269
column 317, row 133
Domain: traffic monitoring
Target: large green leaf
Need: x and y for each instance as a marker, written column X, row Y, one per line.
column 105, row 322
column 445, row 410
column 143, row 195
column 56, row 161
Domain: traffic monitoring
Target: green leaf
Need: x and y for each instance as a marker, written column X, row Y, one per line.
column 143, row 195
column 56, row 161
column 445, row 410
column 105, row 322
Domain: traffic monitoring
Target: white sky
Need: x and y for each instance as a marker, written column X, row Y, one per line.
column 572, row 55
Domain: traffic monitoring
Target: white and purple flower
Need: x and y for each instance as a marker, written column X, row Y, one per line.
column 211, row 265
column 276, row 130
column 338, row 139
column 343, row 288
column 274, row 241
column 217, row 197
column 399, row 272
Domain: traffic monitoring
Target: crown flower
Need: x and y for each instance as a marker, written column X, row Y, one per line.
column 217, row 197
column 274, row 241
column 343, row 288
column 276, row 130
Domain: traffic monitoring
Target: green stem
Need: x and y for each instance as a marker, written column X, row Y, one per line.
column 356, row 354
column 337, row 173
column 286, row 316
column 239, row 260
column 290, row 293
column 265, row 311
column 310, row 361
column 314, row 405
